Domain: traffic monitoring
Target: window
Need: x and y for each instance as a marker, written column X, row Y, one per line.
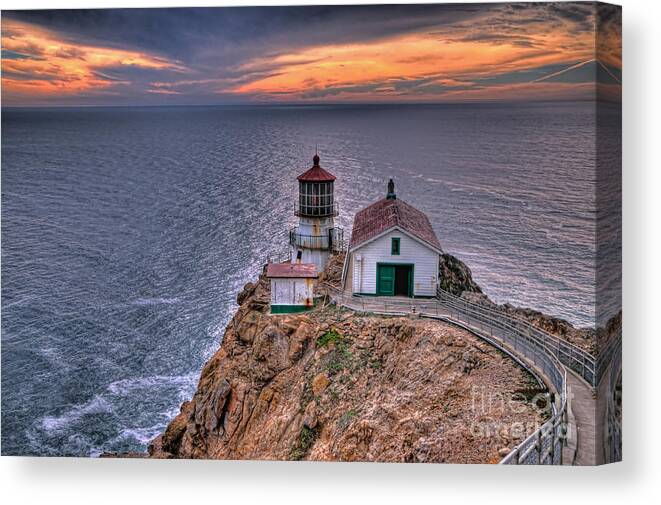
column 394, row 246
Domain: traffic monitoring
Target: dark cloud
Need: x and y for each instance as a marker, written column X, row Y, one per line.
column 523, row 76
column 403, row 86
column 228, row 35
column 329, row 91
column 14, row 55
column 576, row 72
column 497, row 39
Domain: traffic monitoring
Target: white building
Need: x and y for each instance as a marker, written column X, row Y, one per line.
column 292, row 286
column 393, row 251
column 316, row 235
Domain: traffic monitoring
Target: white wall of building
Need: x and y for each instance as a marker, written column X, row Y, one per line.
column 309, row 248
column 293, row 291
column 424, row 259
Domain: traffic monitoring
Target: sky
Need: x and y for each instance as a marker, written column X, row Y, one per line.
column 313, row 54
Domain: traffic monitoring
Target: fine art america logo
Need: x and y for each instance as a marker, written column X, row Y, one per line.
column 496, row 415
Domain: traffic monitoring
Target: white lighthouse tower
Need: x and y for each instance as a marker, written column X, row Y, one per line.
column 316, row 236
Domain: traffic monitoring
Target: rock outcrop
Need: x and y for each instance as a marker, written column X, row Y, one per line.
column 333, row 385
column 455, row 277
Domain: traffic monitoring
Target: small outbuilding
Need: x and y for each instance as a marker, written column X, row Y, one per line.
column 292, row 286
column 393, row 251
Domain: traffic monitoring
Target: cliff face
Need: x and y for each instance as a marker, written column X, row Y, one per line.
column 455, row 277
column 333, row 385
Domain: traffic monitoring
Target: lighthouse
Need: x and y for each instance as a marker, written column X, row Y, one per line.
column 316, row 235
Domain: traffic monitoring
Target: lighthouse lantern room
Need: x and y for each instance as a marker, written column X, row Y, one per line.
column 316, row 235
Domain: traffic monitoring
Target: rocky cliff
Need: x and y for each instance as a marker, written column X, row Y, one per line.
column 455, row 277
column 334, row 385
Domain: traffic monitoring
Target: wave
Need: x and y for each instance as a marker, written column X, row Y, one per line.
column 97, row 405
column 155, row 301
column 126, row 386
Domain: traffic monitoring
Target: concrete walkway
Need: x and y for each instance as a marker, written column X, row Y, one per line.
column 582, row 421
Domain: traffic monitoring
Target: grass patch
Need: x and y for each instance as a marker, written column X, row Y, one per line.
column 376, row 364
column 340, row 359
column 345, row 419
column 305, row 441
column 341, row 356
column 331, row 336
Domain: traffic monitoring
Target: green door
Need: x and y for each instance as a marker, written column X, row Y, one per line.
column 385, row 280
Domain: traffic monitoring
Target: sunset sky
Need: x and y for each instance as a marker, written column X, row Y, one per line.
column 426, row 53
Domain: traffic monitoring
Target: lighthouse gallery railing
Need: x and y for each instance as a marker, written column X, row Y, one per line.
column 333, row 241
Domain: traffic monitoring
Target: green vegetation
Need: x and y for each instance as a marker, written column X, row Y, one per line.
column 332, row 336
column 345, row 420
column 305, row 441
column 376, row 364
column 341, row 356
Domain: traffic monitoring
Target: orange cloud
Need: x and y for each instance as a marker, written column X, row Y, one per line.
column 44, row 64
column 444, row 59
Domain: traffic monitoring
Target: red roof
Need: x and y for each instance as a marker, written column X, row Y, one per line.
column 290, row 270
column 388, row 213
column 316, row 173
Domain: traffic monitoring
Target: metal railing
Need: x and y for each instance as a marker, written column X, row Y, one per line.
column 308, row 210
column 613, row 410
column 544, row 445
column 608, row 355
column 570, row 355
column 333, row 241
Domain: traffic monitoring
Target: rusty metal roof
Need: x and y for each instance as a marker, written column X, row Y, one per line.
column 388, row 213
column 316, row 173
column 291, row 270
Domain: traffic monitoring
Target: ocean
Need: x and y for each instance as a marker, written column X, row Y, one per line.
column 127, row 233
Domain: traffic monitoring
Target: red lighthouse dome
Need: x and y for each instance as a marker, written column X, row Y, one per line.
column 316, row 173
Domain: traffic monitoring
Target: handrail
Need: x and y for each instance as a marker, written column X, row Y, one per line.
column 570, row 355
column 334, row 240
column 608, row 355
column 613, row 420
column 544, row 446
